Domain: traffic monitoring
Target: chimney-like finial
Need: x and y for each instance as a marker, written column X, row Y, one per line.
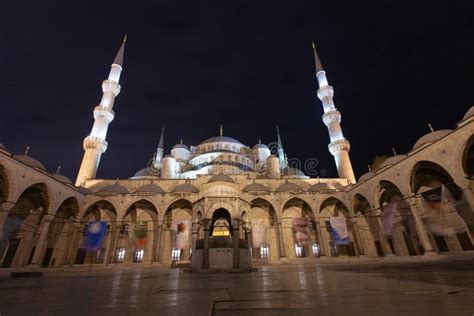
column 58, row 170
column 370, row 168
column 259, row 141
column 317, row 61
column 27, row 150
column 221, row 131
column 394, row 151
column 181, row 141
column 431, row 127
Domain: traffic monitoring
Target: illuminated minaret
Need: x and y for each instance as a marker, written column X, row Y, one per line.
column 339, row 146
column 159, row 151
column 95, row 144
column 281, row 151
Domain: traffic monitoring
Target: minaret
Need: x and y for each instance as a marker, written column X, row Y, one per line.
column 339, row 146
column 281, row 152
column 159, row 151
column 95, row 144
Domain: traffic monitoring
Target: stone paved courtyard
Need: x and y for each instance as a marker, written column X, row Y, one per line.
column 408, row 288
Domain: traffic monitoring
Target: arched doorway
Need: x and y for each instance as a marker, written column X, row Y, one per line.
column 21, row 226
column 221, row 223
column 265, row 235
column 468, row 159
column 334, row 208
column 140, row 234
column 60, row 233
column 299, row 229
column 101, row 211
column 176, row 238
column 368, row 223
column 399, row 224
column 447, row 216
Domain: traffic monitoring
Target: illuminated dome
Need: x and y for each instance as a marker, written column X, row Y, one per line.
column 469, row 113
column 366, row 176
column 221, row 177
column 146, row 173
column 221, row 139
column 62, row 178
column 259, row 145
column 150, row 188
column 431, row 137
column 180, row 146
column 114, row 188
column 30, row 161
column 392, row 160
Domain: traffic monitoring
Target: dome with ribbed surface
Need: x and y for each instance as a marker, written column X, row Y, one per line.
column 150, row 188
column 392, row 160
column 288, row 187
column 30, row 161
column 62, row 178
column 256, row 187
column 221, row 177
column 223, row 139
column 319, row 187
column 431, row 137
column 185, row 188
column 114, row 188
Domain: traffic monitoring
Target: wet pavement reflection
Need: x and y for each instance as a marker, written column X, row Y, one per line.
column 392, row 289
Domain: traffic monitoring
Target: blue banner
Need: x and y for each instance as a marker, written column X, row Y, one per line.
column 338, row 240
column 95, row 235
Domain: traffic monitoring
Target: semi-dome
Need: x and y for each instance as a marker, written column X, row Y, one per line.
column 366, row 176
column 30, row 161
column 146, row 172
column 224, row 139
column 150, row 188
column 256, row 187
column 469, row 113
column 114, row 188
column 62, row 178
column 319, row 187
column 260, row 146
column 221, row 177
column 185, row 188
column 288, row 187
column 221, row 190
column 392, row 160
column 431, row 137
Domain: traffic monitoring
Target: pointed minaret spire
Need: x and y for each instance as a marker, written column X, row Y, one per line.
column 95, row 144
column 339, row 146
column 281, row 152
column 159, row 151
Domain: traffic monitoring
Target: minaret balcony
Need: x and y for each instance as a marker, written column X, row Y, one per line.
column 110, row 86
column 325, row 91
column 102, row 111
column 91, row 142
column 331, row 116
column 338, row 146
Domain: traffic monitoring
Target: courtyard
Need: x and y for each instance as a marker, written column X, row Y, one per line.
column 438, row 287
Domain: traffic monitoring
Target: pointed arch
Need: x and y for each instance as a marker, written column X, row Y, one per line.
column 142, row 204
column 468, row 158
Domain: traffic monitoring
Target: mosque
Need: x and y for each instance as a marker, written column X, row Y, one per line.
column 222, row 204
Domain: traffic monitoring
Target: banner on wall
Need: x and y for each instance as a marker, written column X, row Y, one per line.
column 441, row 221
column 183, row 233
column 139, row 235
column 258, row 233
column 95, row 235
column 300, row 228
column 389, row 217
column 339, row 230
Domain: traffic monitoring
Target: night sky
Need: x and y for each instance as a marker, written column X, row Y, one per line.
column 192, row 65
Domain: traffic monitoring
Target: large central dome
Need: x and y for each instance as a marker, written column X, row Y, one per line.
column 221, row 139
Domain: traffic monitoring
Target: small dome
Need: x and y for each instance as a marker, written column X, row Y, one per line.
column 185, row 188
column 224, row 139
column 392, row 160
column 259, row 145
column 150, row 188
column 62, row 178
column 366, row 176
column 469, row 113
column 3, row 147
column 431, row 137
column 146, row 172
column 177, row 146
column 114, row 188
column 221, row 177
column 319, row 187
column 30, row 161
column 256, row 187
column 293, row 172
column 86, row 190
column 288, row 187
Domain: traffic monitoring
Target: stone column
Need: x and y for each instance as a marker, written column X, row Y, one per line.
column 416, row 206
column 42, row 240
column 321, row 241
column 205, row 250
column 154, row 245
column 281, row 245
column 4, row 209
column 235, row 243
column 195, row 235
column 384, row 239
column 357, row 239
column 110, row 252
column 159, row 232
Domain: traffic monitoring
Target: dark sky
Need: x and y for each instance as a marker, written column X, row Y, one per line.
column 191, row 65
